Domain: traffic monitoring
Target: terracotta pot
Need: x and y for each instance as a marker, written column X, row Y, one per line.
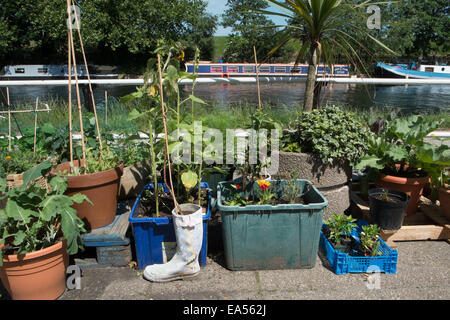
column 38, row 275
column 101, row 188
column 444, row 201
column 411, row 186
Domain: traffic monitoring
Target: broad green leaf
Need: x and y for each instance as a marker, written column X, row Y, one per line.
column 369, row 161
column 58, row 184
column 71, row 226
column 36, row 172
column 14, row 211
column 19, row 237
column 189, row 179
column 79, row 198
column 195, row 99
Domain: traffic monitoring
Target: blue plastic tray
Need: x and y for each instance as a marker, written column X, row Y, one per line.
column 150, row 233
column 343, row 263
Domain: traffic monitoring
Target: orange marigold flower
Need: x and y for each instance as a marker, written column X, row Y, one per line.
column 8, row 157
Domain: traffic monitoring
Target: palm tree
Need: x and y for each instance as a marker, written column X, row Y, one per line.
column 322, row 27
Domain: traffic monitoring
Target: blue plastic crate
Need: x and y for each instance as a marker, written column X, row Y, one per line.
column 343, row 263
column 150, row 233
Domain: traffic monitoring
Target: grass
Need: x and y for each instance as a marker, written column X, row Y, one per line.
column 213, row 116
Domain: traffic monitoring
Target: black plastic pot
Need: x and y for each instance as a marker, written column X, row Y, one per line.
column 388, row 215
column 345, row 246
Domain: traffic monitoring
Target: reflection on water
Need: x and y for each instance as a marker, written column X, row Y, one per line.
column 411, row 98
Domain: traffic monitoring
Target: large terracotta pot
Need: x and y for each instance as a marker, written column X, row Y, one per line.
column 38, row 275
column 101, row 188
column 444, row 201
column 411, row 186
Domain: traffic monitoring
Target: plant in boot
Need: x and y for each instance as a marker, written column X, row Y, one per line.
column 339, row 227
column 370, row 240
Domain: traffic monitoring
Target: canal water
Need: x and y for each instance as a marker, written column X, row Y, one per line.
column 423, row 98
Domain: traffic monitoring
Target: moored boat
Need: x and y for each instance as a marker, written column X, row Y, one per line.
column 43, row 72
column 413, row 71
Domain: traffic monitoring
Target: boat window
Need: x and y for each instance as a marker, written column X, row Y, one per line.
column 429, row 69
column 19, row 70
column 296, row 69
column 233, row 69
column 216, row 69
column 249, row 69
column 265, row 69
column 280, row 69
column 42, row 70
column 443, row 69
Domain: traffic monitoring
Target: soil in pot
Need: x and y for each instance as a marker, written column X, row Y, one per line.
column 388, row 208
column 412, row 183
column 147, row 208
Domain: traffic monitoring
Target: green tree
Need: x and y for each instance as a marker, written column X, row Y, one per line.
column 420, row 28
column 113, row 31
column 320, row 27
column 248, row 30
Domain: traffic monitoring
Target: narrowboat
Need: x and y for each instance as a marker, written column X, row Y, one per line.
column 48, row 72
column 229, row 70
column 413, row 71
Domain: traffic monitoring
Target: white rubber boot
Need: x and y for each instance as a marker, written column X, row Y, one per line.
column 189, row 234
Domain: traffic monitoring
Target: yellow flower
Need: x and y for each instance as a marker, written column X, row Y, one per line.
column 263, row 184
column 8, row 157
column 181, row 56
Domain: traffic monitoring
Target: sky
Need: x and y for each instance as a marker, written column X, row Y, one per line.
column 217, row 7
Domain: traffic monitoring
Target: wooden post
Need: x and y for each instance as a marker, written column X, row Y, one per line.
column 257, row 78
column 35, row 124
column 77, row 88
column 69, row 70
column 9, row 119
column 166, row 137
column 90, row 87
column 106, row 108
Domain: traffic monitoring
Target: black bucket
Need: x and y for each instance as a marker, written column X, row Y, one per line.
column 388, row 215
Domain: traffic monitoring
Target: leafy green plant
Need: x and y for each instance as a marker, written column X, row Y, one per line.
column 331, row 134
column 237, row 199
column 339, row 226
column 18, row 161
column 400, row 148
column 35, row 218
column 370, row 242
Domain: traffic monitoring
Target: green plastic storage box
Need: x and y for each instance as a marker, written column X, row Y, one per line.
column 266, row 237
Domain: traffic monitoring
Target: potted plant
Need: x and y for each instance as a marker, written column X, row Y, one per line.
column 261, row 220
column 436, row 161
column 38, row 229
column 137, row 167
column 98, row 179
column 369, row 253
column 398, row 153
column 338, row 231
column 387, row 208
column 322, row 147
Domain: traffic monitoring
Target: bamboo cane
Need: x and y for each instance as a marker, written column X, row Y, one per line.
column 106, row 108
column 257, row 78
column 35, row 124
column 9, row 119
column 166, row 137
column 83, row 149
column 70, row 95
column 90, row 87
